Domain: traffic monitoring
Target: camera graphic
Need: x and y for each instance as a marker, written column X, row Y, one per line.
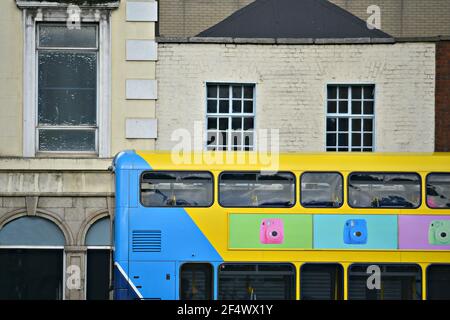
column 439, row 232
column 355, row 231
column 271, row 231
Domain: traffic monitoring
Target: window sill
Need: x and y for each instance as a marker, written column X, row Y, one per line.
column 67, row 155
column 100, row 4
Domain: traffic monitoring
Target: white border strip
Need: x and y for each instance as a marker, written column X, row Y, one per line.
column 128, row 280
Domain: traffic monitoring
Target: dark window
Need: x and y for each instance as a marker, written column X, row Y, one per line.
column 438, row 190
column 350, row 118
column 176, row 189
column 98, row 272
column 256, row 282
column 384, row 190
column 438, row 282
column 397, row 282
column 31, row 274
column 321, row 282
column 255, row 189
column 196, row 281
column 321, row 190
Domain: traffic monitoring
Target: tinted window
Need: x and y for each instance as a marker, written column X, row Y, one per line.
column 397, row 282
column 438, row 190
column 196, row 281
column 438, row 282
column 256, row 282
column 321, row 282
column 321, row 190
column 253, row 189
column 384, row 190
column 177, row 189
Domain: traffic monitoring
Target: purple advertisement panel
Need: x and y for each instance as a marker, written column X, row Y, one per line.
column 424, row 232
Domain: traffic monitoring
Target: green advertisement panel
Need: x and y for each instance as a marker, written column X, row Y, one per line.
column 270, row 231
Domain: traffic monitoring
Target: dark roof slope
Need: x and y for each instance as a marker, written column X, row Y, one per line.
column 292, row 19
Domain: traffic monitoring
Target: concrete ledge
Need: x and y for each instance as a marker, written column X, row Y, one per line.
column 105, row 4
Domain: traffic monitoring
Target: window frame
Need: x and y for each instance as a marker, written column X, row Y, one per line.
column 58, row 15
column 427, row 284
column 410, row 264
column 342, row 269
column 256, row 207
column 212, row 287
column 230, row 115
column 385, row 172
column 322, row 172
column 177, row 171
column 426, row 184
column 294, row 272
column 349, row 114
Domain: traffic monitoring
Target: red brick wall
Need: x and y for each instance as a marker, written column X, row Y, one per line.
column 442, row 96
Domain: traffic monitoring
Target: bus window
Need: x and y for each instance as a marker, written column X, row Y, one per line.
column 196, row 281
column 392, row 282
column 176, row 189
column 384, row 190
column 321, row 281
column 438, row 282
column 438, row 190
column 268, row 281
column 255, row 189
column 321, row 190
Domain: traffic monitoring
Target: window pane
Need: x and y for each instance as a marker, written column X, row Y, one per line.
column 236, row 123
column 61, row 36
column 212, row 106
column 321, row 282
column 196, row 281
column 356, row 107
column 248, row 92
column 256, row 282
column 384, row 190
column 343, row 106
column 438, row 282
column 236, row 139
column 248, row 124
column 67, row 88
column 368, row 92
column 223, row 123
column 398, row 282
column 343, row 124
column 343, row 92
column 257, row 190
column 332, row 107
column 319, row 190
column 66, row 140
column 212, row 138
column 356, row 124
column 368, row 125
column 332, row 92
column 356, row 139
column 212, row 123
column 356, row 92
column 237, row 92
column 438, row 190
column 368, row 107
column 176, row 189
column 368, row 139
column 331, row 139
column 237, row 106
column 343, row 139
column 331, row 124
column 224, row 106
column 224, row 92
column 248, row 106
column 212, row 91
column 248, row 138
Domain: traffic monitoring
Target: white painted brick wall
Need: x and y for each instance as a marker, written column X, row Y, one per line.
column 290, row 88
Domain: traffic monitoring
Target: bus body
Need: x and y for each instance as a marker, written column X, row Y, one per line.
column 322, row 226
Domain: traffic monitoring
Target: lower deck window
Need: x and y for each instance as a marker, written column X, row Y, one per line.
column 256, row 282
column 396, row 282
column 196, row 281
column 438, row 282
column 321, row 282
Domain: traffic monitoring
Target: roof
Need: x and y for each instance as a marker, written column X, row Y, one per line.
column 292, row 19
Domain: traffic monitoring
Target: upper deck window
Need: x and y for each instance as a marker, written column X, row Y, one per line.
column 438, row 190
column 255, row 189
column 321, row 190
column 384, row 190
column 176, row 189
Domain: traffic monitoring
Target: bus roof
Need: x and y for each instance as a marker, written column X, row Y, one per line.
column 326, row 161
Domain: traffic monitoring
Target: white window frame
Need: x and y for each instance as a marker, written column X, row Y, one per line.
column 230, row 115
column 39, row 13
column 349, row 114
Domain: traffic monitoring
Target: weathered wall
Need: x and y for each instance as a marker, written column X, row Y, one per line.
column 443, row 96
column 290, row 88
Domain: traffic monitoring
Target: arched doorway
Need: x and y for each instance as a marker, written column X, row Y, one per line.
column 98, row 263
column 31, row 260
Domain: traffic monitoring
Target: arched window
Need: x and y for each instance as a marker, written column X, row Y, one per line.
column 98, row 265
column 31, row 256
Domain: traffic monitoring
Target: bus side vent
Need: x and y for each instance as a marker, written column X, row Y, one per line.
column 146, row 241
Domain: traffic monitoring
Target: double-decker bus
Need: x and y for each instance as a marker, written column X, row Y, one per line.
column 320, row 226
